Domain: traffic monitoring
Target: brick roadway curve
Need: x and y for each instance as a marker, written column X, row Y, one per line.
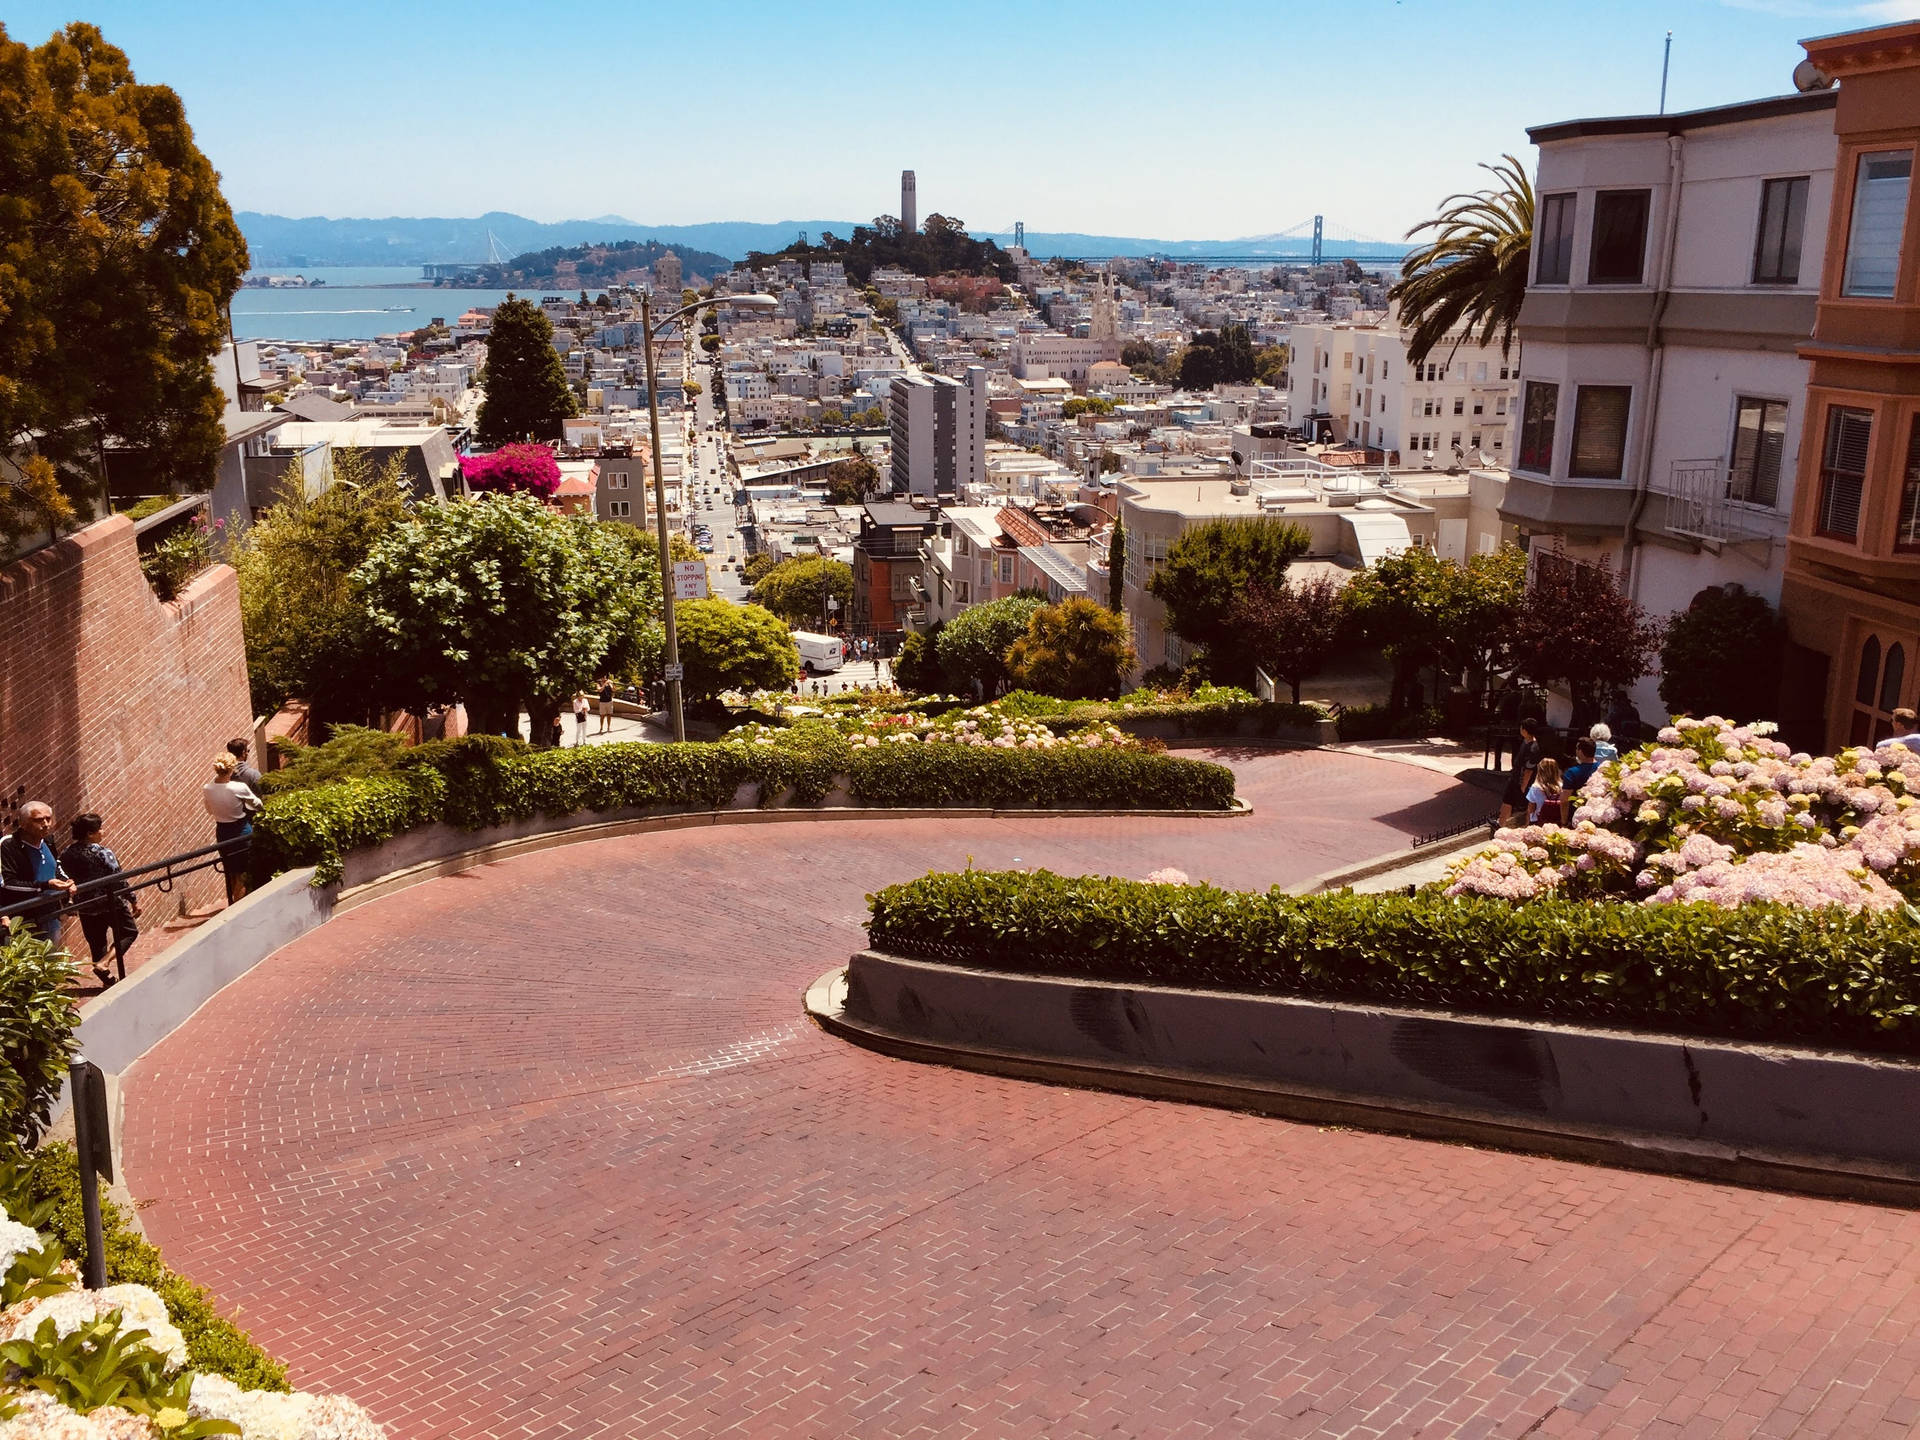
column 546, row 1149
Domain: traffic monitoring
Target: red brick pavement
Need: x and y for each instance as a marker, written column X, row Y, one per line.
column 546, row 1149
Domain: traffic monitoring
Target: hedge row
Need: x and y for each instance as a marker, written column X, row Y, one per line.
column 1759, row 972
column 37, row 1022
column 482, row 781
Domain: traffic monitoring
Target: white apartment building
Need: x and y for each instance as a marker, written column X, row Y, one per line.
column 939, row 432
column 1351, row 382
column 1067, row 357
column 1677, row 264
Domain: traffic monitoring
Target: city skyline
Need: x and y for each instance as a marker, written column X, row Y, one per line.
column 1129, row 127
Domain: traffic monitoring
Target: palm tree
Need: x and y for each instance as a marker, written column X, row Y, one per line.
column 1475, row 267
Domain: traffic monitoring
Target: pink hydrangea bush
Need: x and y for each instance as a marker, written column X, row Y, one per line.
column 1723, row 813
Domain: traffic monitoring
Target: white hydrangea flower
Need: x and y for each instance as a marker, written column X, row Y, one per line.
column 139, row 1307
column 16, row 1240
column 264, row 1415
column 41, row 1417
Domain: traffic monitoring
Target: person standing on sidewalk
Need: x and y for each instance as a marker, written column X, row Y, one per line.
column 109, row 910
column 606, row 705
column 29, row 869
column 232, row 806
column 579, row 718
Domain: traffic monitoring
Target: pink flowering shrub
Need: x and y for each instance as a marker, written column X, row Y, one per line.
column 512, row 469
column 1720, row 812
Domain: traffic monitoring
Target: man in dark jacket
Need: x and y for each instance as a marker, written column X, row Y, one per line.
column 29, row 870
column 108, row 908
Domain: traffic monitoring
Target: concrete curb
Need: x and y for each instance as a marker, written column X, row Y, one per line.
column 836, row 1003
column 1380, row 865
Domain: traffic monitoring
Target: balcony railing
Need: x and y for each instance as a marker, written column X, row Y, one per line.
column 1701, row 507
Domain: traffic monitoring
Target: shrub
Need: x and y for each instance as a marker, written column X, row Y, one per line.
column 513, row 468
column 1722, row 655
column 37, row 1022
column 50, row 1181
column 973, row 645
column 1766, row 972
column 1101, row 779
column 479, row 781
column 152, row 505
column 355, row 751
column 1077, row 650
column 725, row 646
column 916, row 669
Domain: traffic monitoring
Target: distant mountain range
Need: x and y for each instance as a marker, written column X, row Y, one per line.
column 280, row 241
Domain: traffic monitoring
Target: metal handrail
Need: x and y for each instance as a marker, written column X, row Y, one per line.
column 160, row 875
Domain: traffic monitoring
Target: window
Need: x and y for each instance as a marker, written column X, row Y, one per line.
column 1879, row 215
column 619, row 509
column 1600, row 432
column 1553, row 238
column 1843, row 471
column 1619, row 236
column 1536, row 426
column 1759, row 439
column 1876, row 691
column 1783, row 215
column 617, row 480
column 1457, row 437
column 1476, row 440
column 1907, row 535
column 1383, row 369
column 1479, row 406
column 1500, row 405
column 1459, row 405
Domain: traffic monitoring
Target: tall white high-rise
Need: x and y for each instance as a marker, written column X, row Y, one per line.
column 909, row 203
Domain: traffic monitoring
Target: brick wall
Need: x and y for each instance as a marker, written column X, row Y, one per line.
column 113, row 701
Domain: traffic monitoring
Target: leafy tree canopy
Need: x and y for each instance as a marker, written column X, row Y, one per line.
column 851, row 481
column 1086, row 405
column 301, row 612
column 1292, row 631
column 1723, row 656
column 527, row 392
column 1471, row 276
column 1577, row 627
column 916, row 669
column 973, row 646
column 733, row 647
column 1076, row 650
column 1210, row 565
column 118, row 256
column 502, row 604
column 512, row 469
column 796, row 590
column 941, row 247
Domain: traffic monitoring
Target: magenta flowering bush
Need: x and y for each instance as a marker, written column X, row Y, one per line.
column 512, row 469
column 1718, row 812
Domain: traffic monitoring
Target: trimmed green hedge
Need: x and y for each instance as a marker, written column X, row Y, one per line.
column 980, row 775
column 37, row 1020
column 49, row 1182
column 482, row 781
column 1759, row 972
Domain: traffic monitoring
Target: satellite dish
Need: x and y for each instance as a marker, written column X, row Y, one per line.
column 1808, row 77
column 1487, row 460
column 1427, row 453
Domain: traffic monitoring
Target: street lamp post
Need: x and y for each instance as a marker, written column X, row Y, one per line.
column 736, row 302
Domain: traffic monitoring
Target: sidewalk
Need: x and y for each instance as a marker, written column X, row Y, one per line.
column 1437, row 753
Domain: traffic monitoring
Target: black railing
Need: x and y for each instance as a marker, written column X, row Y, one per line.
column 1488, row 823
column 160, row 876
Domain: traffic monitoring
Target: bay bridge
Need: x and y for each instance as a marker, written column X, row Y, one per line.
column 1313, row 241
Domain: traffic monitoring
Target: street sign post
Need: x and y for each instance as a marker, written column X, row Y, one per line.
column 675, row 672
column 689, row 579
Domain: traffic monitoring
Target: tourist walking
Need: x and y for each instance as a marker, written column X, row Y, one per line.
column 30, row 870
column 606, row 705
column 232, row 805
column 108, row 912
column 1526, row 755
column 1544, row 795
column 244, row 772
column 579, row 717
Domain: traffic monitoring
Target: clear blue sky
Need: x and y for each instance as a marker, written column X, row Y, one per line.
column 1111, row 117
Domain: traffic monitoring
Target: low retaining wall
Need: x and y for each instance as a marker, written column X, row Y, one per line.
column 1252, row 725
column 1823, row 1121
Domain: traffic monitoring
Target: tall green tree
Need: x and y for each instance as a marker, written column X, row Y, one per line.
column 118, row 256
column 973, row 646
column 1116, row 567
column 1210, row 566
column 852, row 480
column 733, row 647
column 527, row 395
column 1578, row 628
column 1472, row 274
column 1290, row 632
column 1723, row 655
column 797, row 590
column 301, row 612
column 1076, row 650
column 502, row 604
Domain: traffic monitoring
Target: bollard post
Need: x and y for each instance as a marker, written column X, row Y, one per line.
column 93, row 1143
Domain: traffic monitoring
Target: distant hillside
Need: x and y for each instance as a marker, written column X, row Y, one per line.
column 278, row 242
column 570, row 267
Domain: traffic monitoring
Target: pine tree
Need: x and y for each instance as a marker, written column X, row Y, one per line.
column 526, row 385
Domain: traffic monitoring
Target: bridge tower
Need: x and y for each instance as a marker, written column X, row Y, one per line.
column 1020, row 234
column 1318, row 222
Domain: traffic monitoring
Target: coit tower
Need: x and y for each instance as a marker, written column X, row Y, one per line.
column 909, row 204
